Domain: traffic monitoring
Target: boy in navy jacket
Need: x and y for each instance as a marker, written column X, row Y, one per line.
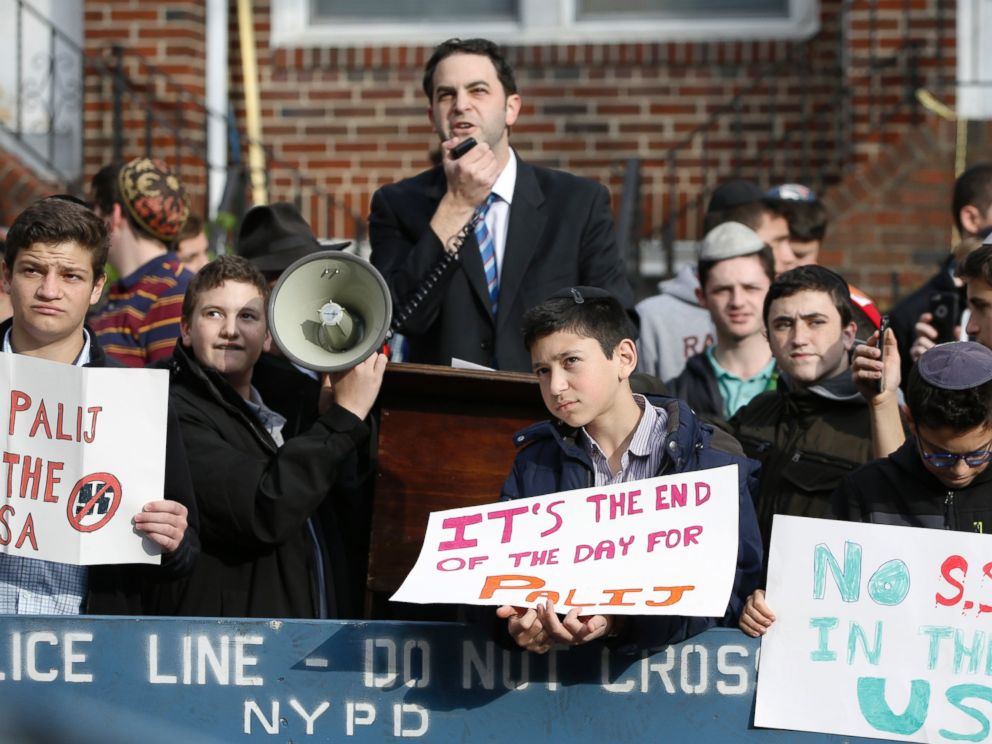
column 582, row 347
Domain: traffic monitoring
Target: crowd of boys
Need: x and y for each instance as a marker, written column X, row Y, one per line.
column 267, row 463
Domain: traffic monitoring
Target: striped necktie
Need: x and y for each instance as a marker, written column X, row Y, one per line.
column 487, row 248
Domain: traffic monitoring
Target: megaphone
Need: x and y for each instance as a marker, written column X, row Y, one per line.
column 329, row 311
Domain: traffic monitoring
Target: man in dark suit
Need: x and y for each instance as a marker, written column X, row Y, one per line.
column 537, row 230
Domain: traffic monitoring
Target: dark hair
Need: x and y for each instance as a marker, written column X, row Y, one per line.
column 227, row 268
column 974, row 188
column 978, row 265
column 106, row 192
column 601, row 318
column 190, row 229
column 815, row 279
column 56, row 220
column 807, row 220
column 482, row 47
column 958, row 410
column 750, row 214
column 765, row 257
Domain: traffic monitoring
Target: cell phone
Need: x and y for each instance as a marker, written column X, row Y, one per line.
column 463, row 147
column 945, row 307
column 880, row 384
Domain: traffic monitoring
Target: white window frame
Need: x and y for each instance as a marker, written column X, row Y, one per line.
column 542, row 22
column 974, row 21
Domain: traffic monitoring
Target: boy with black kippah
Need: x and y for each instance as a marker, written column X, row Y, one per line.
column 940, row 476
column 582, row 349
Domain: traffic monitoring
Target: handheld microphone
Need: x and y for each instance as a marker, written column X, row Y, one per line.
column 463, row 147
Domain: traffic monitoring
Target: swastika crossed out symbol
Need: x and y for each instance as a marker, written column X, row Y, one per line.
column 86, row 493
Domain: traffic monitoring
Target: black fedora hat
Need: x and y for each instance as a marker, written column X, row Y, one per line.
column 273, row 236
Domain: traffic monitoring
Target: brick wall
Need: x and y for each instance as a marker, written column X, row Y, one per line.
column 355, row 118
column 20, row 187
column 892, row 224
column 342, row 121
column 162, row 84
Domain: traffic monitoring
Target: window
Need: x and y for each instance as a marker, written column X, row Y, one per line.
column 428, row 22
column 591, row 10
column 333, row 11
column 974, row 60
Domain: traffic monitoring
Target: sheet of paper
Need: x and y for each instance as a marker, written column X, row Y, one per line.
column 463, row 364
column 665, row 546
column 880, row 632
column 84, row 451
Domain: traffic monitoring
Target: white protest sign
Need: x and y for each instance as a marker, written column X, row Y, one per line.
column 880, row 632
column 84, row 451
column 659, row 546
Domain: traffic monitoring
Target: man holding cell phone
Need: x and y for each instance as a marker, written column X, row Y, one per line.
column 870, row 366
column 949, row 311
column 913, row 317
column 538, row 230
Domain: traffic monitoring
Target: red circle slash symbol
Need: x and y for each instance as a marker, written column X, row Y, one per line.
column 94, row 496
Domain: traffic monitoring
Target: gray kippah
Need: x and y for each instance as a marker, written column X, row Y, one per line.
column 956, row 366
column 729, row 240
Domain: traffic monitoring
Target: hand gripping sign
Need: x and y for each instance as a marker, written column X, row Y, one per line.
column 660, row 546
column 84, row 451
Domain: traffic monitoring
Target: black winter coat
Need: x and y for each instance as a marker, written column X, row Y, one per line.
column 899, row 490
column 806, row 443
column 255, row 500
column 697, row 385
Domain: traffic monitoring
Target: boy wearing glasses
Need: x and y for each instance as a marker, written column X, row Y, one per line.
column 939, row 477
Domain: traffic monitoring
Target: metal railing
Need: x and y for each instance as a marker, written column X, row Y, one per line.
column 42, row 114
column 813, row 135
column 116, row 105
column 774, row 133
column 179, row 121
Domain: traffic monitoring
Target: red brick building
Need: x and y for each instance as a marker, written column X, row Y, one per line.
column 826, row 98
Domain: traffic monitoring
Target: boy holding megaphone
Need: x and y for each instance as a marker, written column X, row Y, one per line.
column 263, row 555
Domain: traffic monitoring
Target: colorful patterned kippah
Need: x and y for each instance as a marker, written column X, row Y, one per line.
column 154, row 197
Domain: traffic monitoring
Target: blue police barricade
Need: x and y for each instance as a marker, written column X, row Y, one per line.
column 201, row 680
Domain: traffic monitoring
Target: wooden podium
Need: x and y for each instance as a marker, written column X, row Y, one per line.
column 445, row 441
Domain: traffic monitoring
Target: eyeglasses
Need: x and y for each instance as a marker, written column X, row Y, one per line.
column 944, row 460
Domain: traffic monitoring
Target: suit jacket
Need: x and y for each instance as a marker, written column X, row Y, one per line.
column 560, row 234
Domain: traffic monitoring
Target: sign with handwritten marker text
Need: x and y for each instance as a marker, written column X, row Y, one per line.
column 659, row 546
column 84, row 451
column 880, row 632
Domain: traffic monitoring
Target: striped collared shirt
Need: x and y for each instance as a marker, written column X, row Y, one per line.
column 139, row 323
column 272, row 421
column 642, row 458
